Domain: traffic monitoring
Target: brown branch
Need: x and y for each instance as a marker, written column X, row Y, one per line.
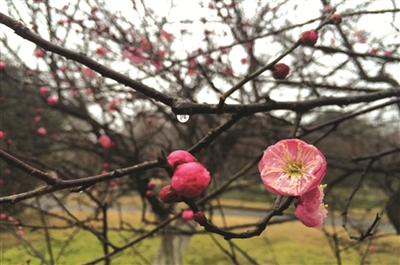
column 302, row 106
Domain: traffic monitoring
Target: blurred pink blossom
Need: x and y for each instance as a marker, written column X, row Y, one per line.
column 86, row 71
column 135, row 55
column 52, row 100
column 105, row 141
column 39, row 53
column 180, row 157
column 3, row 65
column 41, row 131
column 187, row 215
column 168, row 37
column 292, row 167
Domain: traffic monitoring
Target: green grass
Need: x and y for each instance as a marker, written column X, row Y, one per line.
column 289, row 243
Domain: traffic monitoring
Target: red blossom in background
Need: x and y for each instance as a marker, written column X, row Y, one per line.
column 41, row 131
column 52, row 100
column 101, row 51
column 2, row 65
column 105, row 142
column 144, row 44
column 292, row 167
column 44, row 90
column 39, row 53
column 135, row 55
column 2, row 135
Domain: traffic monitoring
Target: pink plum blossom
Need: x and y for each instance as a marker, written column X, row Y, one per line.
column 3, row 65
column 167, row 36
column 113, row 183
column 168, row 195
column 105, row 141
column 199, row 217
column 244, row 61
column 38, row 119
column 41, row 131
column 88, row 91
column 20, row 233
column 149, row 193
column 43, row 90
column 190, row 179
column 387, row 53
column 52, row 100
column 179, row 157
column 10, row 219
column 187, row 215
column 3, row 216
column 2, row 135
column 39, row 53
column 209, row 60
column 86, row 71
column 292, row 167
column 310, row 208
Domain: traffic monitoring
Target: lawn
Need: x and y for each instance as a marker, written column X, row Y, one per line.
column 289, row 243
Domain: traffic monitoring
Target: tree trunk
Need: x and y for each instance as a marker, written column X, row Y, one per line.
column 173, row 245
column 393, row 211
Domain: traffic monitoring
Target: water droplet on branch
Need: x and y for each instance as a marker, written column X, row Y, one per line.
column 182, row 118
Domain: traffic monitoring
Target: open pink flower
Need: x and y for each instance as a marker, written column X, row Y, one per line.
column 310, row 208
column 105, row 141
column 190, row 179
column 180, row 157
column 292, row 167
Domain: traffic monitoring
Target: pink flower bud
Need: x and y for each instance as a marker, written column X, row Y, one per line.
column 38, row 119
column 10, row 219
column 3, row 65
column 43, row 90
column 308, row 38
column 149, row 193
column 335, row 19
column 167, row 36
column 280, row 71
column 39, row 53
column 52, row 100
column 179, row 157
column 371, row 248
column 88, row 91
column 20, row 233
column 2, row 135
column 387, row 53
column 105, row 165
column 168, row 195
column 190, row 179
column 187, row 215
column 105, row 141
column 41, row 131
column 151, row 185
column 199, row 217
column 17, row 223
column 3, row 216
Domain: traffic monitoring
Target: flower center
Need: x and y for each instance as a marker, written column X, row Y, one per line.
column 294, row 169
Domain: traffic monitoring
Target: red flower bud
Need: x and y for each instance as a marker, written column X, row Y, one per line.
column 179, row 157
column 308, row 38
column 335, row 19
column 280, row 71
